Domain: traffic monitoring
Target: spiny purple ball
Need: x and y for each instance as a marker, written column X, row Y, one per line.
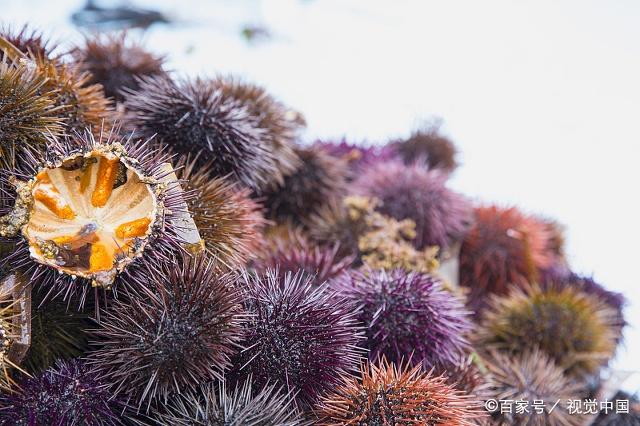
column 68, row 394
column 300, row 336
column 407, row 315
column 413, row 192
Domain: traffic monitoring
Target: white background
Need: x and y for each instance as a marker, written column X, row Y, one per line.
column 542, row 97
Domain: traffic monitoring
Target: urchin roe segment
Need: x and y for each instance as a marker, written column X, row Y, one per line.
column 91, row 215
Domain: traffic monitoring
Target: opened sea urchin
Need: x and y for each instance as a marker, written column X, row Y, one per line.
column 88, row 210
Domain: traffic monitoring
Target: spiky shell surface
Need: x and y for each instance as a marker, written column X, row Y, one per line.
column 390, row 394
column 407, row 315
column 413, row 192
column 217, row 405
column 299, row 336
column 577, row 330
column 315, row 183
column 529, row 377
column 176, row 326
column 71, row 393
column 27, row 114
column 116, row 62
column 229, row 221
column 194, row 116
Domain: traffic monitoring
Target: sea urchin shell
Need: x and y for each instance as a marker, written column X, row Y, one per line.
column 195, row 116
column 91, row 210
column 412, row 192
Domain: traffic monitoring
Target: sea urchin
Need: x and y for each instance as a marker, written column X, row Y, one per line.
column 577, row 330
column 299, row 336
column 178, row 324
column 407, row 315
column 70, row 393
column 217, row 406
column 387, row 394
column 413, row 192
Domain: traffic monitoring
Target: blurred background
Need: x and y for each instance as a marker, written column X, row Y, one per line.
column 542, row 98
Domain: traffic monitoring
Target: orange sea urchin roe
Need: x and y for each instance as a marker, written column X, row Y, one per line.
column 107, row 172
column 48, row 194
column 135, row 228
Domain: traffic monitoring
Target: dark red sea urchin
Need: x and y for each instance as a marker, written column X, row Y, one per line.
column 299, row 336
column 413, row 192
column 407, row 315
column 318, row 181
column 388, row 394
column 87, row 209
column 71, row 393
column 504, row 247
column 27, row 41
column 430, row 146
column 195, row 116
column 215, row 405
column 177, row 325
column 116, row 63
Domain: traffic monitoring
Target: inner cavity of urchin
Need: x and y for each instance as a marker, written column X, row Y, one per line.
column 90, row 216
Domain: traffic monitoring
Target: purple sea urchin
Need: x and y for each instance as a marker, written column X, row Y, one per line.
column 316, row 182
column 387, row 394
column 178, row 325
column 577, row 330
column 531, row 377
column 412, row 192
column 68, row 394
column 299, row 336
column 116, row 63
column 88, row 209
column 503, row 248
column 195, row 116
column 240, row 407
column 429, row 145
column 407, row 315
column 228, row 220
column 28, row 112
